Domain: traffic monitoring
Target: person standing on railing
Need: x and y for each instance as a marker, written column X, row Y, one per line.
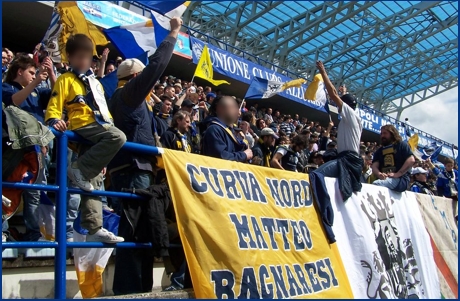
column 21, row 89
column 132, row 114
column 349, row 164
column 80, row 95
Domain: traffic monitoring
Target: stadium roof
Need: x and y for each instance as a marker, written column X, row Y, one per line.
column 391, row 54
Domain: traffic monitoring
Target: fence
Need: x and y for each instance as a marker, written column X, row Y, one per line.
column 61, row 189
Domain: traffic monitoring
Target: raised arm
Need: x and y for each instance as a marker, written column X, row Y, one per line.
column 19, row 97
column 105, row 56
column 137, row 89
column 333, row 95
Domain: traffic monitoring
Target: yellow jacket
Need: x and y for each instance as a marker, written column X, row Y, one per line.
column 69, row 95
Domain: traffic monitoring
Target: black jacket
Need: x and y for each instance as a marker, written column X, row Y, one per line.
column 130, row 111
column 148, row 217
column 350, row 166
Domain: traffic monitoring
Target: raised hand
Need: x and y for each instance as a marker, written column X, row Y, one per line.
column 105, row 55
column 176, row 23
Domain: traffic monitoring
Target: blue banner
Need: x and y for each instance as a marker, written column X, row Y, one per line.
column 243, row 70
column 372, row 122
column 107, row 15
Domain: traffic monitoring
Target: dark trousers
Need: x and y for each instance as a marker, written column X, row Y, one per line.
column 133, row 267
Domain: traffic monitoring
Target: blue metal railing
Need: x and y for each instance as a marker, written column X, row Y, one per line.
column 61, row 189
column 286, row 72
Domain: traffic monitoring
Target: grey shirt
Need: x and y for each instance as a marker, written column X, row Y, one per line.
column 349, row 130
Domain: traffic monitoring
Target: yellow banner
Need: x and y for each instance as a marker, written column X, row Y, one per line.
column 251, row 232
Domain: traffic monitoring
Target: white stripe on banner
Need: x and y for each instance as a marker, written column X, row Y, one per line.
column 384, row 245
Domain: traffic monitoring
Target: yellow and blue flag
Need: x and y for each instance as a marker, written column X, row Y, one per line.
column 262, row 88
column 316, row 92
column 67, row 20
column 204, row 69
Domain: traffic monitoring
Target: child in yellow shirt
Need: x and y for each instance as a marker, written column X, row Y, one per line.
column 81, row 96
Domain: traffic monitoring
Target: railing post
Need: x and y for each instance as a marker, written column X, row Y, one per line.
column 61, row 212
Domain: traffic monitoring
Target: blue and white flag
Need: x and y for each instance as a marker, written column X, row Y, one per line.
column 261, row 88
column 433, row 155
column 132, row 41
column 162, row 12
column 168, row 8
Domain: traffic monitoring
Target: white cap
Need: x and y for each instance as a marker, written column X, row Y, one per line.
column 129, row 67
column 418, row 170
column 192, row 89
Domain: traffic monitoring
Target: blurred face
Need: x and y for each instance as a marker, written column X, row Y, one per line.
column 262, row 124
column 228, row 110
column 200, row 90
column 166, row 107
column 296, row 116
column 421, row 177
column 110, row 68
column 183, row 125
column 26, row 76
column 385, row 137
column 169, row 91
column 368, row 160
column 244, row 126
column 82, row 61
column 269, row 141
column 177, row 89
column 449, row 167
column 160, row 91
column 297, row 148
column 318, row 160
column 5, row 60
column 269, row 111
column 10, row 56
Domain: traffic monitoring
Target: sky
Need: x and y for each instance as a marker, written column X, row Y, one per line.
column 437, row 116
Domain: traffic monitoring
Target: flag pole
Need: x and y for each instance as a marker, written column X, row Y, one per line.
column 241, row 105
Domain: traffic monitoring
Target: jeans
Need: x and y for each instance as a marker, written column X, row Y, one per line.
column 329, row 169
column 30, row 211
column 390, row 183
column 133, row 267
column 74, row 199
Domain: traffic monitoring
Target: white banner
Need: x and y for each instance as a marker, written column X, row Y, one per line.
column 383, row 243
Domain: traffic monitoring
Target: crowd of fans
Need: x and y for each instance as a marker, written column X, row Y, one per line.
column 157, row 110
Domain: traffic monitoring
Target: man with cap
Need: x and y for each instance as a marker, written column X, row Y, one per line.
column 349, row 164
column 178, row 89
column 419, row 185
column 264, row 147
column 132, row 115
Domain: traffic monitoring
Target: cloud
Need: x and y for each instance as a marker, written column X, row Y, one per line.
column 437, row 116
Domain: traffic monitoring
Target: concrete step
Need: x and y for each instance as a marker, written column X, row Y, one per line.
column 158, row 294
